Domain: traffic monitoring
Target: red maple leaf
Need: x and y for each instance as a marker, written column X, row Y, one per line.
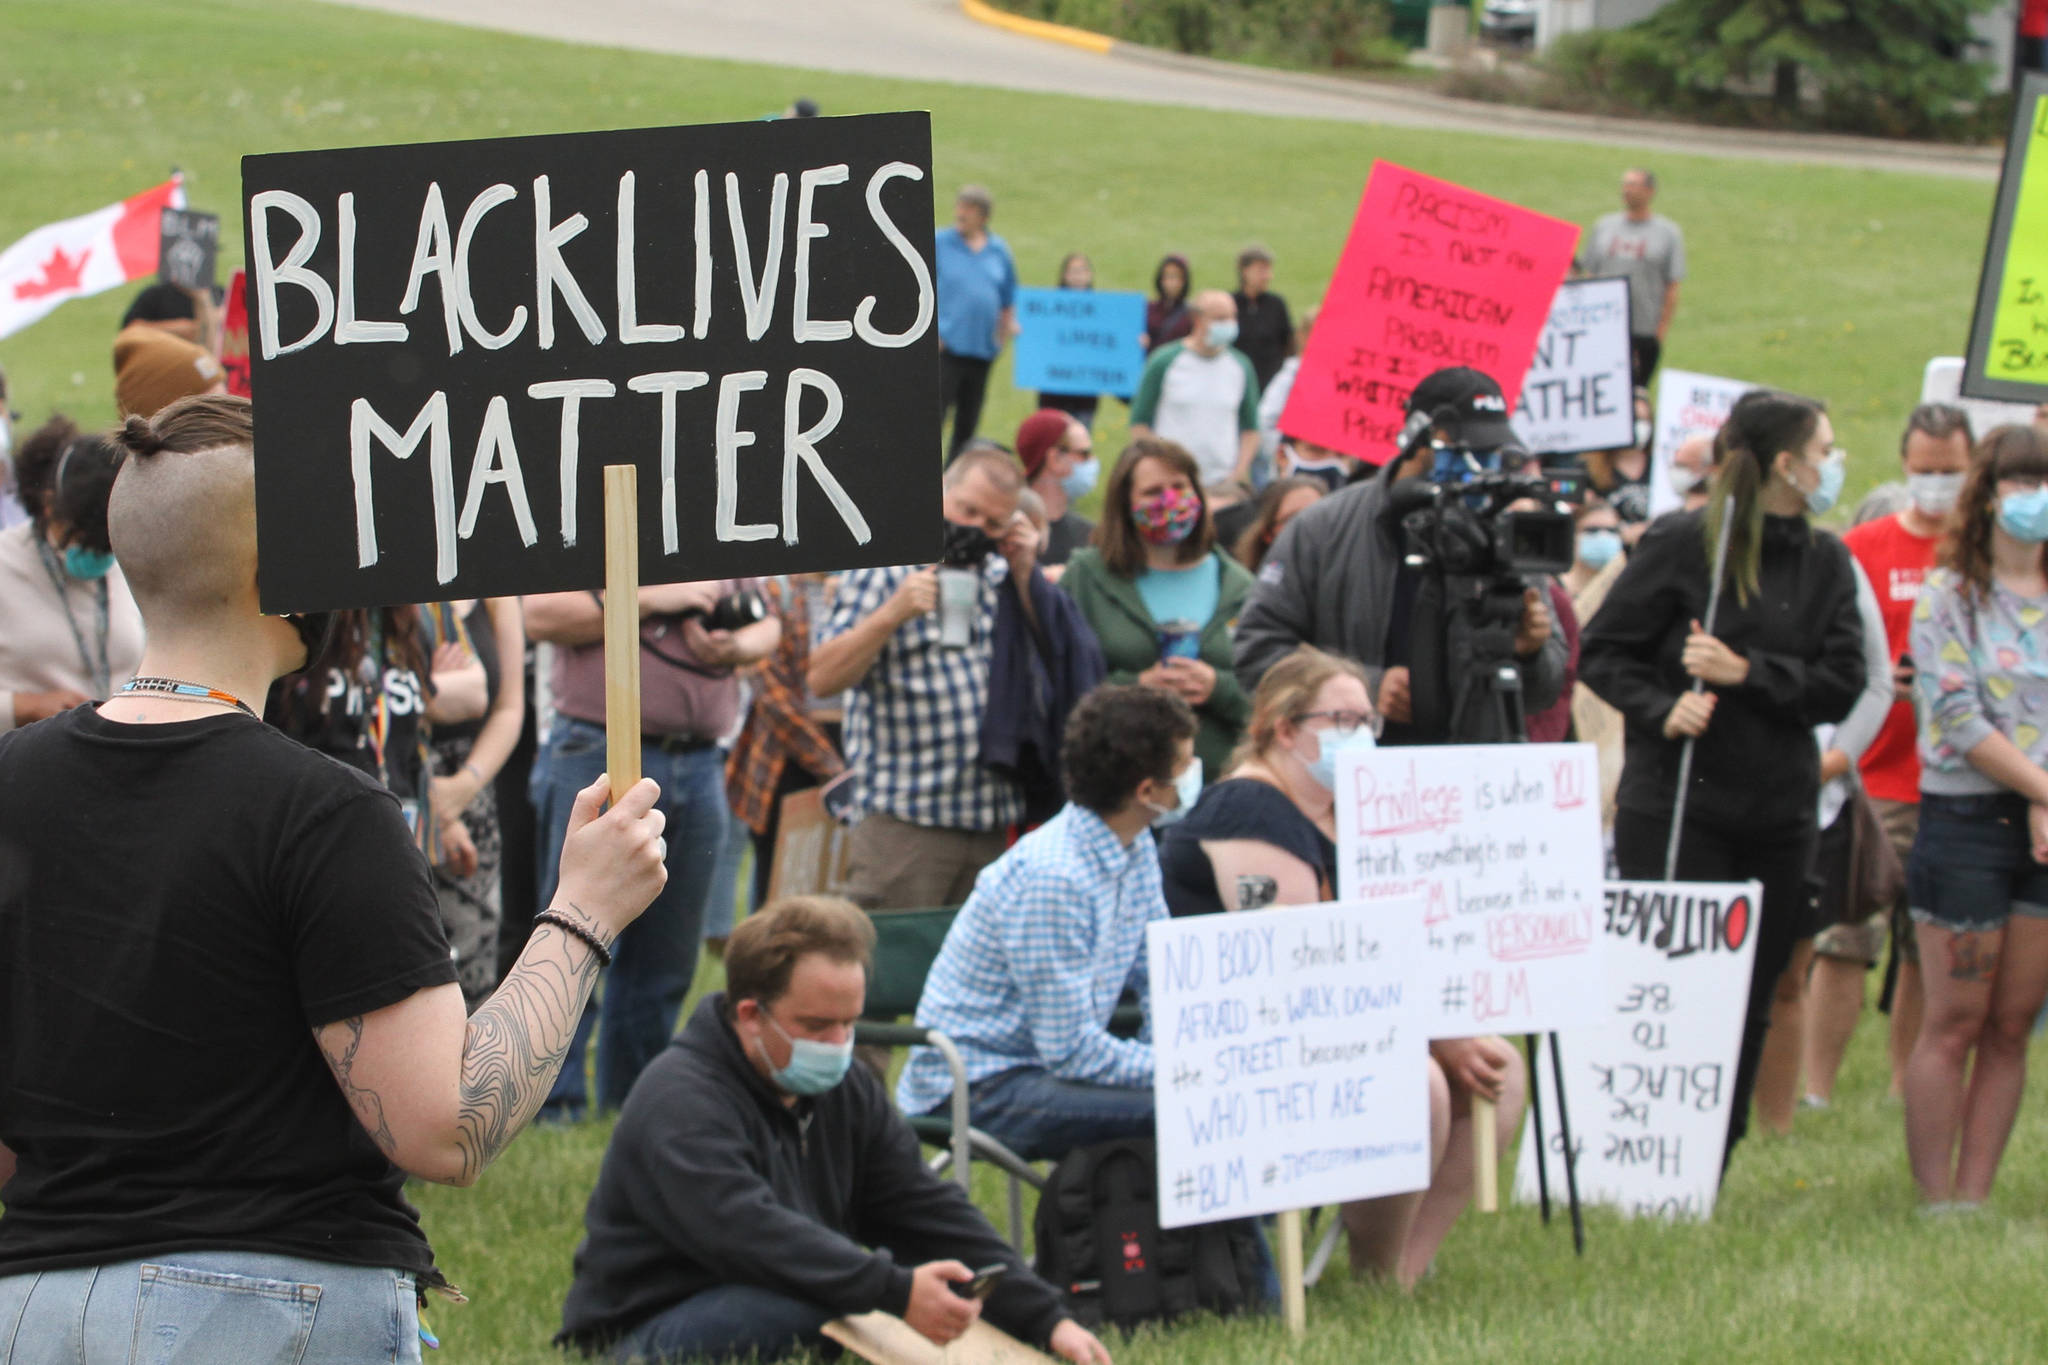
column 61, row 275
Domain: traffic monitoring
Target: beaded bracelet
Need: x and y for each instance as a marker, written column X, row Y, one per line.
column 571, row 927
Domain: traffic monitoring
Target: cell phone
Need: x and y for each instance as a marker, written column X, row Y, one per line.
column 984, row 1280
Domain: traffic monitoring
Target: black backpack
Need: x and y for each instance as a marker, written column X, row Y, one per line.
column 1101, row 1246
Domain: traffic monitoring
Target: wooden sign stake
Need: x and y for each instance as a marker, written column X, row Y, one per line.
column 622, row 625
column 1293, row 1295
column 1486, row 1154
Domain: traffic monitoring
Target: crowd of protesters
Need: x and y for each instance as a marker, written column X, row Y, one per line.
column 1119, row 696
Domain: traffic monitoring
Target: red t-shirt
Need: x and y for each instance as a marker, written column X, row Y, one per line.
column 1895, row 560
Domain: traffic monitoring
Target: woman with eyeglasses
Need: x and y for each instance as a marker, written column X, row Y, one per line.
column 1785, row 654
column 1976, row 882
column 1266, row 836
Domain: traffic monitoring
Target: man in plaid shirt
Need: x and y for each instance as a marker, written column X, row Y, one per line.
column 932, row 816
column 1032, row 968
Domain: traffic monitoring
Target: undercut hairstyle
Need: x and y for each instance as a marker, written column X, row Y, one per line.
column 182, row 516
column 998, row 464
column 35, row 465
column 1119, row 736
column 1116, row 539
column 1287, row 690
column 2007, row 452
column 1940, row 421
column 763, row 951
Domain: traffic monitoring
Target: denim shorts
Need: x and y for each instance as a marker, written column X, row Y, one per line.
column 209, row 1308
column 1973, row 864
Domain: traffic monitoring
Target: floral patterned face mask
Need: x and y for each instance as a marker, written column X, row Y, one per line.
column 1167, row 517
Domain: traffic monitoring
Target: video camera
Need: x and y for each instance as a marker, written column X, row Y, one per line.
column 1471, row 527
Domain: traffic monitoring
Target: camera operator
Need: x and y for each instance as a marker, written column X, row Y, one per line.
column 1340, row 576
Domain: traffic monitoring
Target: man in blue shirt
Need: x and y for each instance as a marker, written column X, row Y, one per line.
column 1053, row 934
column 977, row 288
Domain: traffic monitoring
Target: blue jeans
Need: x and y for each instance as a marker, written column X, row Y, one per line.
column 1041, row 1117
column 732, row 1322
column 655, row 959
column 199, row 1307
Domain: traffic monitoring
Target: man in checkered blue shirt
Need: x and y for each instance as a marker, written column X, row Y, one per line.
column 932, row 816
column 1055, row 930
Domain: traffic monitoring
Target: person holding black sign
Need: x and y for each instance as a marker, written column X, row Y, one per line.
column 223, row 1050
column 691, row 648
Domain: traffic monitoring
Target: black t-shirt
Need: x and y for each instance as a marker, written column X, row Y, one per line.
column 1065, row 536
column 1241, row 808
column 180, row 906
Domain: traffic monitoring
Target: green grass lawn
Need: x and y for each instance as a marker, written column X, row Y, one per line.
column 1833, row 282
column 1838, row 283
column 1815, row 1254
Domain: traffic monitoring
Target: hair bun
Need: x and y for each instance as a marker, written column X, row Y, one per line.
column 140, row 437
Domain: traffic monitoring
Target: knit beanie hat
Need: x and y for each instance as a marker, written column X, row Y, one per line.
column 152, row 368
column 1038, row 434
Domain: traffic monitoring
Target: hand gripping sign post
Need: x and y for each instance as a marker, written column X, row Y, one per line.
column 1289, row 1067
column 1501, row 845
column 2008, row 352
column 1653, row 1084
column 736, row 317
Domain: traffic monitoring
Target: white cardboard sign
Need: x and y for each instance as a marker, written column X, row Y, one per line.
column 1500, row 843
column 1687, row 405
column 1289, row 1068
column 1579, row 394
column 1650, row 1089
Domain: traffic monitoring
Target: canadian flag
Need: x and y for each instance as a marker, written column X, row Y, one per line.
column 84, row 255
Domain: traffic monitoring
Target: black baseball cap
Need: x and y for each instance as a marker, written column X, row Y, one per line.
column 1468, row 404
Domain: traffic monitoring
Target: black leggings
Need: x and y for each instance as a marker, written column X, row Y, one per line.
column 1781, row 859
column 963, row 381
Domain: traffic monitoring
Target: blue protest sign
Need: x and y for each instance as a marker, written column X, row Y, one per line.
column 1078, row 341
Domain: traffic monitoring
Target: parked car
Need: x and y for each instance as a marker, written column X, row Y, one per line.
column 1509, row 21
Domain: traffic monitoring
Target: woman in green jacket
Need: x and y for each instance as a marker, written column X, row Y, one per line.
column 1161, row 597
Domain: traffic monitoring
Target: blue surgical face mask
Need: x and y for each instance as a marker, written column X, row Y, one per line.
column 1598, row 547
column 814, row 1067
column 86, row 564
column 1223, row 332
column 1833, row 470
column 1081, row 479
column 2024, row 516
column 1187, row 789
column 1330, row 742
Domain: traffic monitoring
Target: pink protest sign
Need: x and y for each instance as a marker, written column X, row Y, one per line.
column 1433, row 275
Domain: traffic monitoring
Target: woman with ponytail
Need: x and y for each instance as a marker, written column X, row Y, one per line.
column 1976, row 883
column 1783, row 654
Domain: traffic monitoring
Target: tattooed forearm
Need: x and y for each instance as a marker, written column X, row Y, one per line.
column 368, row 1105
column 515, row 1044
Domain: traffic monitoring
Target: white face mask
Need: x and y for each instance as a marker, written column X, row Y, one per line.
column 1934, row 495
column 1684, row 481
column 1187, row 788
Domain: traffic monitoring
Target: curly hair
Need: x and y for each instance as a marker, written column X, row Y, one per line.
column 35, row 464
column 1121, row 735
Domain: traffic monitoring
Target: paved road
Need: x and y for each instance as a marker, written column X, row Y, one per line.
column 933, row 40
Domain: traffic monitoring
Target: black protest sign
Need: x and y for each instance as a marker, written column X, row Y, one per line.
column 2008, row 355
column 188, row 248
column 452, row 339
